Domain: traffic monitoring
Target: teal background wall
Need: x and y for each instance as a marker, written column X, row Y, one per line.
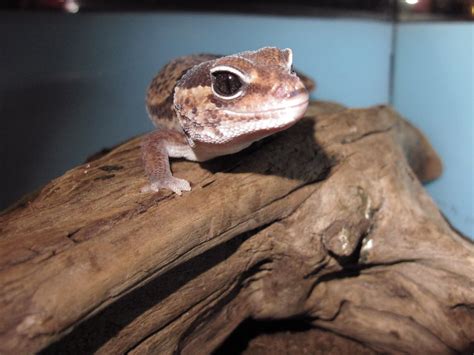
column 434, row 79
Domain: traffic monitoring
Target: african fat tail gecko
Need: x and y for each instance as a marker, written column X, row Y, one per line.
column 206, row 106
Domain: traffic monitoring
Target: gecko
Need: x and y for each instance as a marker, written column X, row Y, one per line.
column 205, row 106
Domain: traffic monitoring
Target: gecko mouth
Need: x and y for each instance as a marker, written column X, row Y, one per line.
column 257, row 125
column 248, row 127
column 270, row 111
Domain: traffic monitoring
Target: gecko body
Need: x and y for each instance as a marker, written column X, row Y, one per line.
column 206, row 106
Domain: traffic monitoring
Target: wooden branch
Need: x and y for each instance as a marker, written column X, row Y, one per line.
column 326, row 221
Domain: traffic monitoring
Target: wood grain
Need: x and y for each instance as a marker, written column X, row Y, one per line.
column 326, row 222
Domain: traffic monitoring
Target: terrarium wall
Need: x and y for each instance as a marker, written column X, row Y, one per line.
column 434, row 88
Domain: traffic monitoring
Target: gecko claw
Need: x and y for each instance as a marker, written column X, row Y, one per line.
column 174, row 184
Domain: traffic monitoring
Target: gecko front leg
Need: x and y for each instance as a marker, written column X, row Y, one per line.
column 157, row 148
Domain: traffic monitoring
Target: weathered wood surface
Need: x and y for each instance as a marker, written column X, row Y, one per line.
column 326, row 222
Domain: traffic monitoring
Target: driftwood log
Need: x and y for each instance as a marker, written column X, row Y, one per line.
column 320, row 239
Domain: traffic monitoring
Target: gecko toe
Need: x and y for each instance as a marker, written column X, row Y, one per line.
column 153, row 187
column 179, row 185
column 174, row 184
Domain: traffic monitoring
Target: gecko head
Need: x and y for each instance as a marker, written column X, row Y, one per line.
column 240, row 98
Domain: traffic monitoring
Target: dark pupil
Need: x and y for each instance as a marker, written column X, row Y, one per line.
column 226, row 83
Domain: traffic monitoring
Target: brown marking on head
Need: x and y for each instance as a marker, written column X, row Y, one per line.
column 249, row 94
column 159, row 100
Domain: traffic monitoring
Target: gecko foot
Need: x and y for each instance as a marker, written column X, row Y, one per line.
column 171, row 183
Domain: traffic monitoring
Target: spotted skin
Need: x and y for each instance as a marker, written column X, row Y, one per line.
column 159, row 99
column 195, row 122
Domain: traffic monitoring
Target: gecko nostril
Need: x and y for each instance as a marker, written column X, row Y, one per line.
column 280, row 91
column 296, row 92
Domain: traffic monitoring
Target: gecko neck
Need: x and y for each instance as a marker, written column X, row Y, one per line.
column 207, row 151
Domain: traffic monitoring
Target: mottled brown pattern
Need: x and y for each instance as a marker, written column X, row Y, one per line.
column 163, row 110
column 270, row 56
column 196, row 76
column 216, row 101
column 159, row 99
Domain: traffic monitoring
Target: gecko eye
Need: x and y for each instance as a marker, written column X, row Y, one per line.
column 226, row 84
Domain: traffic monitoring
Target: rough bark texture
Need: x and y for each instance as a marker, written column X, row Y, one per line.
column 326, row 225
